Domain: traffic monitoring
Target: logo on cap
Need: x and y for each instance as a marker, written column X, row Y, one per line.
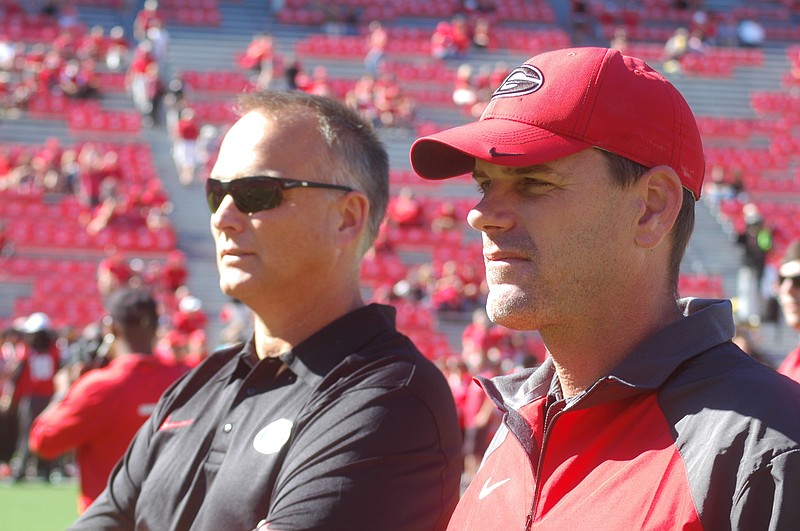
column 523, row 80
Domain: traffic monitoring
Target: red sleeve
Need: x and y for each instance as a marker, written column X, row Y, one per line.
column 75, row 419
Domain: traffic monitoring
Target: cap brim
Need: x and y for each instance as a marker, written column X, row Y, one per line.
column 453, row 152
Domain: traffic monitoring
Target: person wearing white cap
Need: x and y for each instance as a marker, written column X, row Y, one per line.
column 36, row 361
column 789, row 299
column 645, row 415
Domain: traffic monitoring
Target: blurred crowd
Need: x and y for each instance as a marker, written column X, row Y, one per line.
column 36, row 351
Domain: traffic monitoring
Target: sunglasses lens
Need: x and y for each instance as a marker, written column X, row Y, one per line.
column 256, row 195
column 214, row 194
column 250, row 194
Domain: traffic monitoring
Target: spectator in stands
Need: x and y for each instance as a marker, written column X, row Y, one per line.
column 113, row 273
column 97, row 414
column 69, row 170
column 78, row 80
column 92, row 45
column 36, row 360
column 726, row 34
column 145, row 19
column 756, row 243
column 65, row 45
column 620, row 39
column 362, row 98
column 277, row 400
column 116, row 56
column 377, row 41
column 675, row 48
column 296, row 78
column 482, row 34
column 464, row 93
column 154, row 89
column 448, row 293
column 175, row 100
column 405, row 210
column 443, row 45
column 158, row 35
column 68, row 18
column 391, row 104
column 718, row 189
column 320, row 85
column 580, row 241
column 136, row 76
column 184, row 148
column 91, row 173
column 260, row 58
column 175, row 273
column 461, row 35
column 789, row 298
column 416, row 286
column 113, row 205
column 751, row 34
column 207, row 148
column 445, row 218
column 22, row 176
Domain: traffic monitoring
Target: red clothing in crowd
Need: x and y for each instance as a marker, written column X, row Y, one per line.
column 188, row 128
column 791, row 365
column 36, row 378
column 99, row 416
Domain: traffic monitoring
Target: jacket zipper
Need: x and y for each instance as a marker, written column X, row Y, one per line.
column 553, row 412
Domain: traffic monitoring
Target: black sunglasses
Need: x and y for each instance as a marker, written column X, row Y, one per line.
column 254, row 194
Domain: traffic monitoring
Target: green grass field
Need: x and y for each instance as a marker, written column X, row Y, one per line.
column 38, row 506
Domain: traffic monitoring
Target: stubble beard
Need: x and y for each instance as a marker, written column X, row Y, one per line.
column 512, row 307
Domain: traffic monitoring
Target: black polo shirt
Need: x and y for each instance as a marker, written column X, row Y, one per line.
column 359, row 431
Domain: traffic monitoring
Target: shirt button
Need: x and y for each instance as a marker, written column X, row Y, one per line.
column 251, row 391
column 227, row 427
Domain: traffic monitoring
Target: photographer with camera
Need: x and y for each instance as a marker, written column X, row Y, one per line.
column 98, row 414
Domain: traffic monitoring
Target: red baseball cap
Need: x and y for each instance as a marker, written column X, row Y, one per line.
column 561, row 102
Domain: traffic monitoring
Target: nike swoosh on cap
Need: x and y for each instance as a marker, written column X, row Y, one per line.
column 493, row 152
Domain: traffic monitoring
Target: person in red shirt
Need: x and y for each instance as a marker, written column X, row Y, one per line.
column 35, row 362
column 145, row 19
column 98, row 415
column 789, row 297
column 185, row 148
column 260, row 58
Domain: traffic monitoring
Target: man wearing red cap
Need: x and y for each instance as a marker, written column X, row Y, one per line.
column 789, row 297
column 645, row 415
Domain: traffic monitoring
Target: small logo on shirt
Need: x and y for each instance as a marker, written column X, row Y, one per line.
column 489, row 487
column 169, row 424
column 273, row 436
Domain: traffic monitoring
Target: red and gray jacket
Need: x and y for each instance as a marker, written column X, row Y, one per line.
column 688, row 432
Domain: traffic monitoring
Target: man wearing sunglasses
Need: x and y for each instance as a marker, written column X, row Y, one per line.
column 789, row 298
column 327, row 418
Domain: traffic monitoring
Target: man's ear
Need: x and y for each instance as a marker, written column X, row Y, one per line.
column 661, row 193
column 354, row 213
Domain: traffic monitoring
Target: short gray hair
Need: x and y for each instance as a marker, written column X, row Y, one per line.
column 356, row 156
